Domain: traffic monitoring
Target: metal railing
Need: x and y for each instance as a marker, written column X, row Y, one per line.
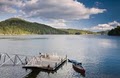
column 13, row 59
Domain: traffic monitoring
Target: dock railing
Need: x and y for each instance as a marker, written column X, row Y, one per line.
column 45, row 61
column 7, row 59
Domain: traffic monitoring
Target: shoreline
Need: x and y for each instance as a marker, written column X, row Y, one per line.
column 42, row 34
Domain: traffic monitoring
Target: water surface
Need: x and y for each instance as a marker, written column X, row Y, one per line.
column 100, row 55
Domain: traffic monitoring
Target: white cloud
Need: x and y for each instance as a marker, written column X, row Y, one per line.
column 103, row 27
column 55, row 10
column 12, row 2
column 4, row 9
column 8, row 6
column 50, row 9
column 58, row 23
column 59, row 9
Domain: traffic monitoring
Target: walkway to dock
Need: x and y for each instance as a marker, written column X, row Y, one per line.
column 43, row 61
column 7, row 59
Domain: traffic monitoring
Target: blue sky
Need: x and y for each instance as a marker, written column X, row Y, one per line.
column 112, row 13
column 94, row 15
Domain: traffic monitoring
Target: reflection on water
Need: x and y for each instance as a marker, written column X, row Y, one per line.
column 98, row 54
column 32, row 74
column 77, row 75
column 35, row 71
column 21, row 38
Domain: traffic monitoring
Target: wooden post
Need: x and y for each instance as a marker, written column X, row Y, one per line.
column 0, row 56
column 26, row 60
column 15, row 60
column 66, row 56
column 4, row 58
column 56, row 64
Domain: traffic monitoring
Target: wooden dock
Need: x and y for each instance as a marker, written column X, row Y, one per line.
column 46, row 62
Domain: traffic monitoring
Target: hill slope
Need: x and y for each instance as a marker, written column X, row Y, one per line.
column 103, row 32
column 18, row 26
column 114, row 32
column 77, row 32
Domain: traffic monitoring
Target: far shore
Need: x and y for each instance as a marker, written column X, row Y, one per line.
column 42, row 34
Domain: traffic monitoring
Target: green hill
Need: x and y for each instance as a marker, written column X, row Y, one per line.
column 78, row 32
column 115, row 32
column 15, row 26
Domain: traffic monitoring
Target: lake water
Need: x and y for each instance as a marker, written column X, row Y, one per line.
column 100, row 55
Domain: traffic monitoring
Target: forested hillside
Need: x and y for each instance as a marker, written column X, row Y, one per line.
column 115, row 32
column 19, row 26
column 78, row 32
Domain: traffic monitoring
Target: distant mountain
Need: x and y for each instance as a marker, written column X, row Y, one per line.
column 78, row 32
column 115, row 31
column 15, row 26
column 103, row 32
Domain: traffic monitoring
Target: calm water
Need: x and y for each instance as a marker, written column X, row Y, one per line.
column 100, row 55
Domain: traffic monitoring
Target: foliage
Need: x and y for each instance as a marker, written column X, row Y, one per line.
column 115, row 32
column 103, row 32
column 78, row 32
column 15, row 26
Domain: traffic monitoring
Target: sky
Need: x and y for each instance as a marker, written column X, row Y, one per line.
column 94, row 15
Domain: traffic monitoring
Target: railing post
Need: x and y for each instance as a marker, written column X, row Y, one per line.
column 15, row 60
column 26, row 60
column 4, row 58
column 0, row 56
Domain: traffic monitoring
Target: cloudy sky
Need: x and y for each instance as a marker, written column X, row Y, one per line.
column 95, row 15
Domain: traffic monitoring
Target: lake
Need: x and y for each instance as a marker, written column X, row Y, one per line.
column 99, row 54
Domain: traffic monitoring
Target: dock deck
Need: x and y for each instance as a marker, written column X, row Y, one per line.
column 45, row 62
